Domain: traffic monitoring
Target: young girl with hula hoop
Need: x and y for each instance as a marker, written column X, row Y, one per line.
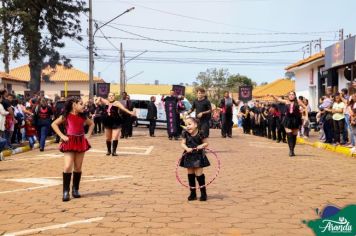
column 74, row 143
column 194, row 158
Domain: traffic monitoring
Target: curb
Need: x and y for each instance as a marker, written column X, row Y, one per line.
column 338, row 149
column 18, row 150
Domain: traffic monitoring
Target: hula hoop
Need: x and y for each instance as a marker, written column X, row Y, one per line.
column 208, row 183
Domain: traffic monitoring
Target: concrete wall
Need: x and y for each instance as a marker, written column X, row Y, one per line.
column 303, row 86
column 18, row 87
column 51, row 89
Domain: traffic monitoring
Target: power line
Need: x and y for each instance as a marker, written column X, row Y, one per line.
column 199, row 48
column 194, row 18
column 209, row 41
column 225, row 33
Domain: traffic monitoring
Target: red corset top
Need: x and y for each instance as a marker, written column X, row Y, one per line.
column 75, row 125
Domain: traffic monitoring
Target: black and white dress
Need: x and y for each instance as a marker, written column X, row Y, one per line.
column 197, row 158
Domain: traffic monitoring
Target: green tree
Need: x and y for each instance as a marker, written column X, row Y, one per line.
column 235, row 81
column 39, row 27
column 217, row 81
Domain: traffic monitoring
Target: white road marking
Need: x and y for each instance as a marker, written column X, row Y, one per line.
column 149, row 150
column 47, row 182
column 58, row 226
column 48, row 156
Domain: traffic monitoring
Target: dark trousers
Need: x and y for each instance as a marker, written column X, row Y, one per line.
column 272, row 134
column 328, row 130
column 204, row 126
column 17, row 136
column 227, row 124
column 152, row 126
column 246, row 125
column 281, row 131
column 125, row 126
column 130, row 127
column 42, row 130
column 339, row 129
column 97, row 125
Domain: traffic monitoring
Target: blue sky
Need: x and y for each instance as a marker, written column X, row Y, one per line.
column 245, row 36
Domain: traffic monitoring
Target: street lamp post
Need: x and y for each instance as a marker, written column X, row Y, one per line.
column 91, row 44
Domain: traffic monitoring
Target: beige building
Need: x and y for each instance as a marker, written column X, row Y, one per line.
column 56, row 80
column 12, row 83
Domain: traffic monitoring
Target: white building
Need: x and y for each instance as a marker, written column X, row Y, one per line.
column 325, row 72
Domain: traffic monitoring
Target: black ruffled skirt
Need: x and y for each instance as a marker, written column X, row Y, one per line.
column 292, row 122
column 194, row 160
column 112, row 122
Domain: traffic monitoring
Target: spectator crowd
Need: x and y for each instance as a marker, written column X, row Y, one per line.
column 28, row 119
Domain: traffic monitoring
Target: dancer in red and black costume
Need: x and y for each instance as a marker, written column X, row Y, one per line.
column 112, row 121
column 292, row 120
column 74, row 144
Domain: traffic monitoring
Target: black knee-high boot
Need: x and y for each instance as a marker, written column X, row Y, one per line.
column 294, row 142
column 290, row 144
column 201, row 181
column 76, row 181
column 114, row 146
column 108, row 146
column 193, row 193
column 66, row 186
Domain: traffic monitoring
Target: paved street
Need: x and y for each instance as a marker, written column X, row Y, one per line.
column 260, row 190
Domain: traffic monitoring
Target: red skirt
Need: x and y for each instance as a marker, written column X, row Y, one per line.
column 75, row 144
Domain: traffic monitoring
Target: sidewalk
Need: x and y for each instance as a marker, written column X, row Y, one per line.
column 314, row 141
column 26, row 148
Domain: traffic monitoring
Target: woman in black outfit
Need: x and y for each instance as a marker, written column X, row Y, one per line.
column 292, row 120
column 112, row 120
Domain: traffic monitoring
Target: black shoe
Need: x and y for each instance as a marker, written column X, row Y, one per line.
column 170, row 138
column 114, row 147
column 278, row 141
column 291, row 153
column 108, row 146
column 76, row 181
column 203, row 196
column 201, row 181
column 176, row 138
column 122, row 136
column 230, row 136
column 66, row 186
column 152, row 135
column 284, row 141
column 223, row 136
column 41, row 149
column 193, row 195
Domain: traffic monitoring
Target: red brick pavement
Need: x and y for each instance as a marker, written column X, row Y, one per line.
column 260, row 190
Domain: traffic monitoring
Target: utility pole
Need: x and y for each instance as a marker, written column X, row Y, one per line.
column 310, row 48
column 91, row 56
column 121, row 69
column 341, row 34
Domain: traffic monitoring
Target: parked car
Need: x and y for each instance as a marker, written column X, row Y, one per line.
column 140, row 103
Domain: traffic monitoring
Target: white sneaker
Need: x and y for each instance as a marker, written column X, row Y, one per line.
column 353, row 150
